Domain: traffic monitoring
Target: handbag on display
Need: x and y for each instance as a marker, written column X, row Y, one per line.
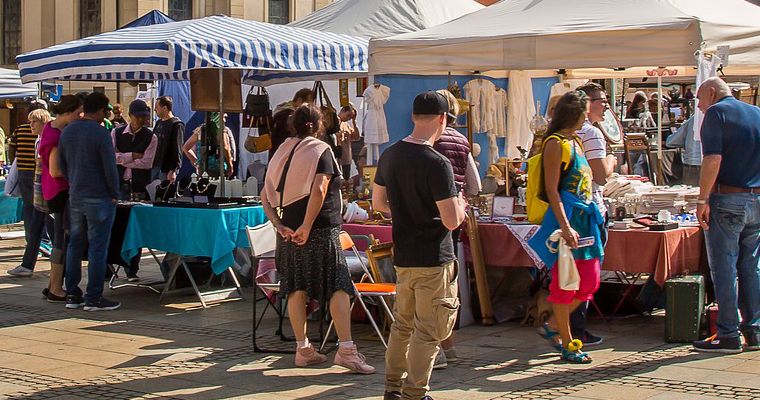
column 330, row 119
column 257, row 104
column 259, row 142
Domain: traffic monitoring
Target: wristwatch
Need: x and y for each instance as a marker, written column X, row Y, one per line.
column 701, row 202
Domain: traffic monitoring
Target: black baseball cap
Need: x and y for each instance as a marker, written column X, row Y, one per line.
column 430, row 103
column 139, row 108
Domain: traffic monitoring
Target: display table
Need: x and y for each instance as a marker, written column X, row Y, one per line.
column 10, row 207
column 191, row 232
column 664, row 254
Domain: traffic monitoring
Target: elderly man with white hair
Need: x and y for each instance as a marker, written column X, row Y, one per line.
column 729, row 211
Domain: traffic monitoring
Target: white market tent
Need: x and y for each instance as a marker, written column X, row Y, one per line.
column 383, row 18
column 11, row 86
column 570, row 34
column 546, row 35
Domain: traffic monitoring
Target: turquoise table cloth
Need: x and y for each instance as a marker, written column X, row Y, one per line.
column 10, row 207
column 191, row 232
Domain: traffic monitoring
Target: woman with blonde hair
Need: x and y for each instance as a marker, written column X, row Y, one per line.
column 303, row 182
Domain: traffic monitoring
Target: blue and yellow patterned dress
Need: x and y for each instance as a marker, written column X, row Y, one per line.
column 582, row 213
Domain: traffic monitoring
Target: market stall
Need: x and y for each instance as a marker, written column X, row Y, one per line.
column 256, row 52
column 513, row 38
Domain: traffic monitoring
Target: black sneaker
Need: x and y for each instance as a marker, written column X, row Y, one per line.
column 53, row 298
column 73, row 302
column 427, row 397
column 713, row 344
column 392, row 396
column 752, row 341
column 102, row 304
column 589, row 339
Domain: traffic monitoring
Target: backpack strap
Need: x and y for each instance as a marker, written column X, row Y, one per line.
column 562, row 140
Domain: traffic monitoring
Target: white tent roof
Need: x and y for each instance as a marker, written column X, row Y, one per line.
column 550, row 34
column 383, row 18
column 11, row 86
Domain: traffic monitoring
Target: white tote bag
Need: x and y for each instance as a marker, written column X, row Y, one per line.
column 569, row 279
column 12, row 188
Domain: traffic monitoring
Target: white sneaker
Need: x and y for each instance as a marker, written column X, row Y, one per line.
column 440, row 360
column 20, row 271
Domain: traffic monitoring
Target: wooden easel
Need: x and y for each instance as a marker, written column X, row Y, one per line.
column 479, row 268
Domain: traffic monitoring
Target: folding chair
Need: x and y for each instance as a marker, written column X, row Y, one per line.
column 263, row 242
column 380, row 260
column 364, row 289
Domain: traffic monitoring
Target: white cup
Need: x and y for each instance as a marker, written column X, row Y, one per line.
column 663, row 216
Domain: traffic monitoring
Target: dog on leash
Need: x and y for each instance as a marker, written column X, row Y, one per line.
column 539, row 310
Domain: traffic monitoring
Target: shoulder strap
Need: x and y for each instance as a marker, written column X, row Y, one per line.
column 284, row 175
column 562, row 142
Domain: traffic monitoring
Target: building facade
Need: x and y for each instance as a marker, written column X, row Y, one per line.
column 33, row 24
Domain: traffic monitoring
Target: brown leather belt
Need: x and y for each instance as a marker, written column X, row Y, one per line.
column 732, row 189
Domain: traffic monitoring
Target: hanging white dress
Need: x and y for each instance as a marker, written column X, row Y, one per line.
column 481, row 93
column 375, row 127
column 521, row 112
column 500, row 113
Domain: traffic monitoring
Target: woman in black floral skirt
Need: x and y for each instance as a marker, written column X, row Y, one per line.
column 302, row 198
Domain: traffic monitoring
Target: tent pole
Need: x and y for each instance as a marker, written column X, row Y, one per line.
column 659, row 130
column 222, row 152
column 153, row 94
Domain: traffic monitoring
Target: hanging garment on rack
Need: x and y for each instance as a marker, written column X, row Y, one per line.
column 558, row 89
column 481, row 93
column 521, row 110
column 375, row 127
column 706, row 68
column 500, row 113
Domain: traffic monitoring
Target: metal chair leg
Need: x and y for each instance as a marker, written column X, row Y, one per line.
column 372, row 321
column 330, row 327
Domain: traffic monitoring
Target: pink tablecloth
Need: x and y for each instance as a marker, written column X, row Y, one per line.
column 664, row 254
column 383, row 233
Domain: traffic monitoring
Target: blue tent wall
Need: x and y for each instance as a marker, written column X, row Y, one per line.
column 404, row 88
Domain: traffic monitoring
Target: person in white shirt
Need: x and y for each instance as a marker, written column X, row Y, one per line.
column 602, row 166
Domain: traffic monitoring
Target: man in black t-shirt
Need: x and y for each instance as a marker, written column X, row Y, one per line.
column 170, row 132
column 415, row 184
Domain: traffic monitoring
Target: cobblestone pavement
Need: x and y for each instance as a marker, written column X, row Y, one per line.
column 178, row 351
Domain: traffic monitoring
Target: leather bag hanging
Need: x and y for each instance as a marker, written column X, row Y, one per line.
column 329, row 113
column 257, row 104
column 261, row 142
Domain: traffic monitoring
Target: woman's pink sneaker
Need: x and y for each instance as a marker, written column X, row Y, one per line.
column 309, row 356
column 350, row 358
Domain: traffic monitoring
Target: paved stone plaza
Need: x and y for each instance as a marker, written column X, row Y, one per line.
column 178, row 351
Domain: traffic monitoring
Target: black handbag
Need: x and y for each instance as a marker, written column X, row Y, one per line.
column 257, row 104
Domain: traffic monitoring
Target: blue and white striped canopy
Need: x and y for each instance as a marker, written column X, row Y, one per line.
column 267, row 53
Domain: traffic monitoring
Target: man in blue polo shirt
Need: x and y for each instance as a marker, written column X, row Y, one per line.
column 729, row 211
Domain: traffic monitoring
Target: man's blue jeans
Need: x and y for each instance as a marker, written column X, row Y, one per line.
column 90, row 221
column 733, row 249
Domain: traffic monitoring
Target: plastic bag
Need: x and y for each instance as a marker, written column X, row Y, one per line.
column 12, row 188
column 569, row 279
